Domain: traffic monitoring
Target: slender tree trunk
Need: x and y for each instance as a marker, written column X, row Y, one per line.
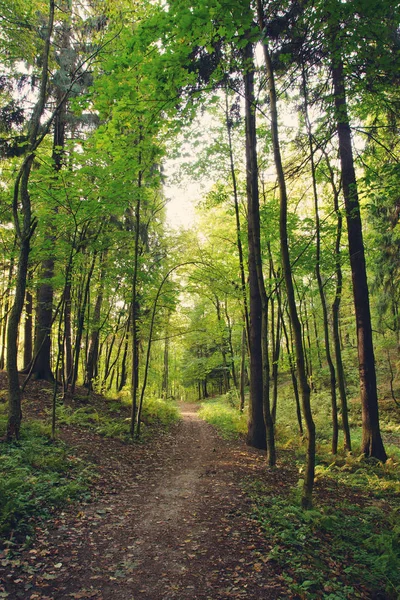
column 243, row 368
column 316, row 333
column 230, row 345
column 93, row 346
column 123, row 374
column 165, row 377
column 325, row 321
column 237, row 217
column 81, row 322
column 336, row 313
column 110, row 347
column 135, row 309
column 308, row 348
column 293, row 375
column 287, row 271
column 14, row 391
column 275, row 365
column 221, row 326
column 372, row 444
column 289, row 344
column 6, row 299
column 21, row 197
column 68, row 334
column 28, row 326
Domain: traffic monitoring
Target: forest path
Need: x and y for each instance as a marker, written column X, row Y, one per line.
column 170, row 521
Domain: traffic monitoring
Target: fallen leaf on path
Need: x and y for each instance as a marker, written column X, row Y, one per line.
column 84, row 594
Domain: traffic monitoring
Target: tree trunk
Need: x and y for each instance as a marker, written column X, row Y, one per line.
column 237, row 217
column 28, row 328
column 123, row 374
column 44, row 318
column 259, row 314
column 135, row 309
column 165, row 377
column 243, row 353
column 21, row 199
column 275, row 365
column 6, row 306
column 307, row 343
column 81, row 323
column 316, row 333
column 335, row 425
column 14, row 391
column 221, row 326
column 287, row 271
column 372, row 444
column 256, row 434
column 230, row 345
column 293, row 375
column 93, row 346
column 68, row 334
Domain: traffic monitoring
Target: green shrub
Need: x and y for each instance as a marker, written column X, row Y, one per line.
column 156, row 410
column 36, row 476
column 226, row 418
column 352, row 552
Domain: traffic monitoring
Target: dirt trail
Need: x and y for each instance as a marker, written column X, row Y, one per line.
column 170, row 522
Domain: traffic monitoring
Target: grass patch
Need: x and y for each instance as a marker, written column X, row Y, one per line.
column 36, row 476
column 224, row 414
column 353, row 552
column 158, row 411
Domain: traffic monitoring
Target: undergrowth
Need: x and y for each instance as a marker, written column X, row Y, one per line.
column 36, row 476
column 349, row 546
column 113, row 419
column 336, row 554
column 223, row 413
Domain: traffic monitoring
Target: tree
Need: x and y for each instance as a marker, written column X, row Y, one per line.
column 24, row 232
column 287, row 272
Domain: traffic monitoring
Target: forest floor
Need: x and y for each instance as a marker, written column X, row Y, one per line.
column 175, row 517
column 168, row 519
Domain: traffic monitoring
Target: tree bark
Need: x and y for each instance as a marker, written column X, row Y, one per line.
column 68, row 334
column 332, row 373
column 243, row 353
column 6, row 306
column 81, row 323
column 237, row 218
column 43, row 323
column 24, row 232
column 221, row 326
column 287, row 271
column 121, row 382
column 372, row 444
column 336, row 312
column 230, row 344
column 93, row 348
column 261, row 429
column 135, row 308
column 28, row 328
